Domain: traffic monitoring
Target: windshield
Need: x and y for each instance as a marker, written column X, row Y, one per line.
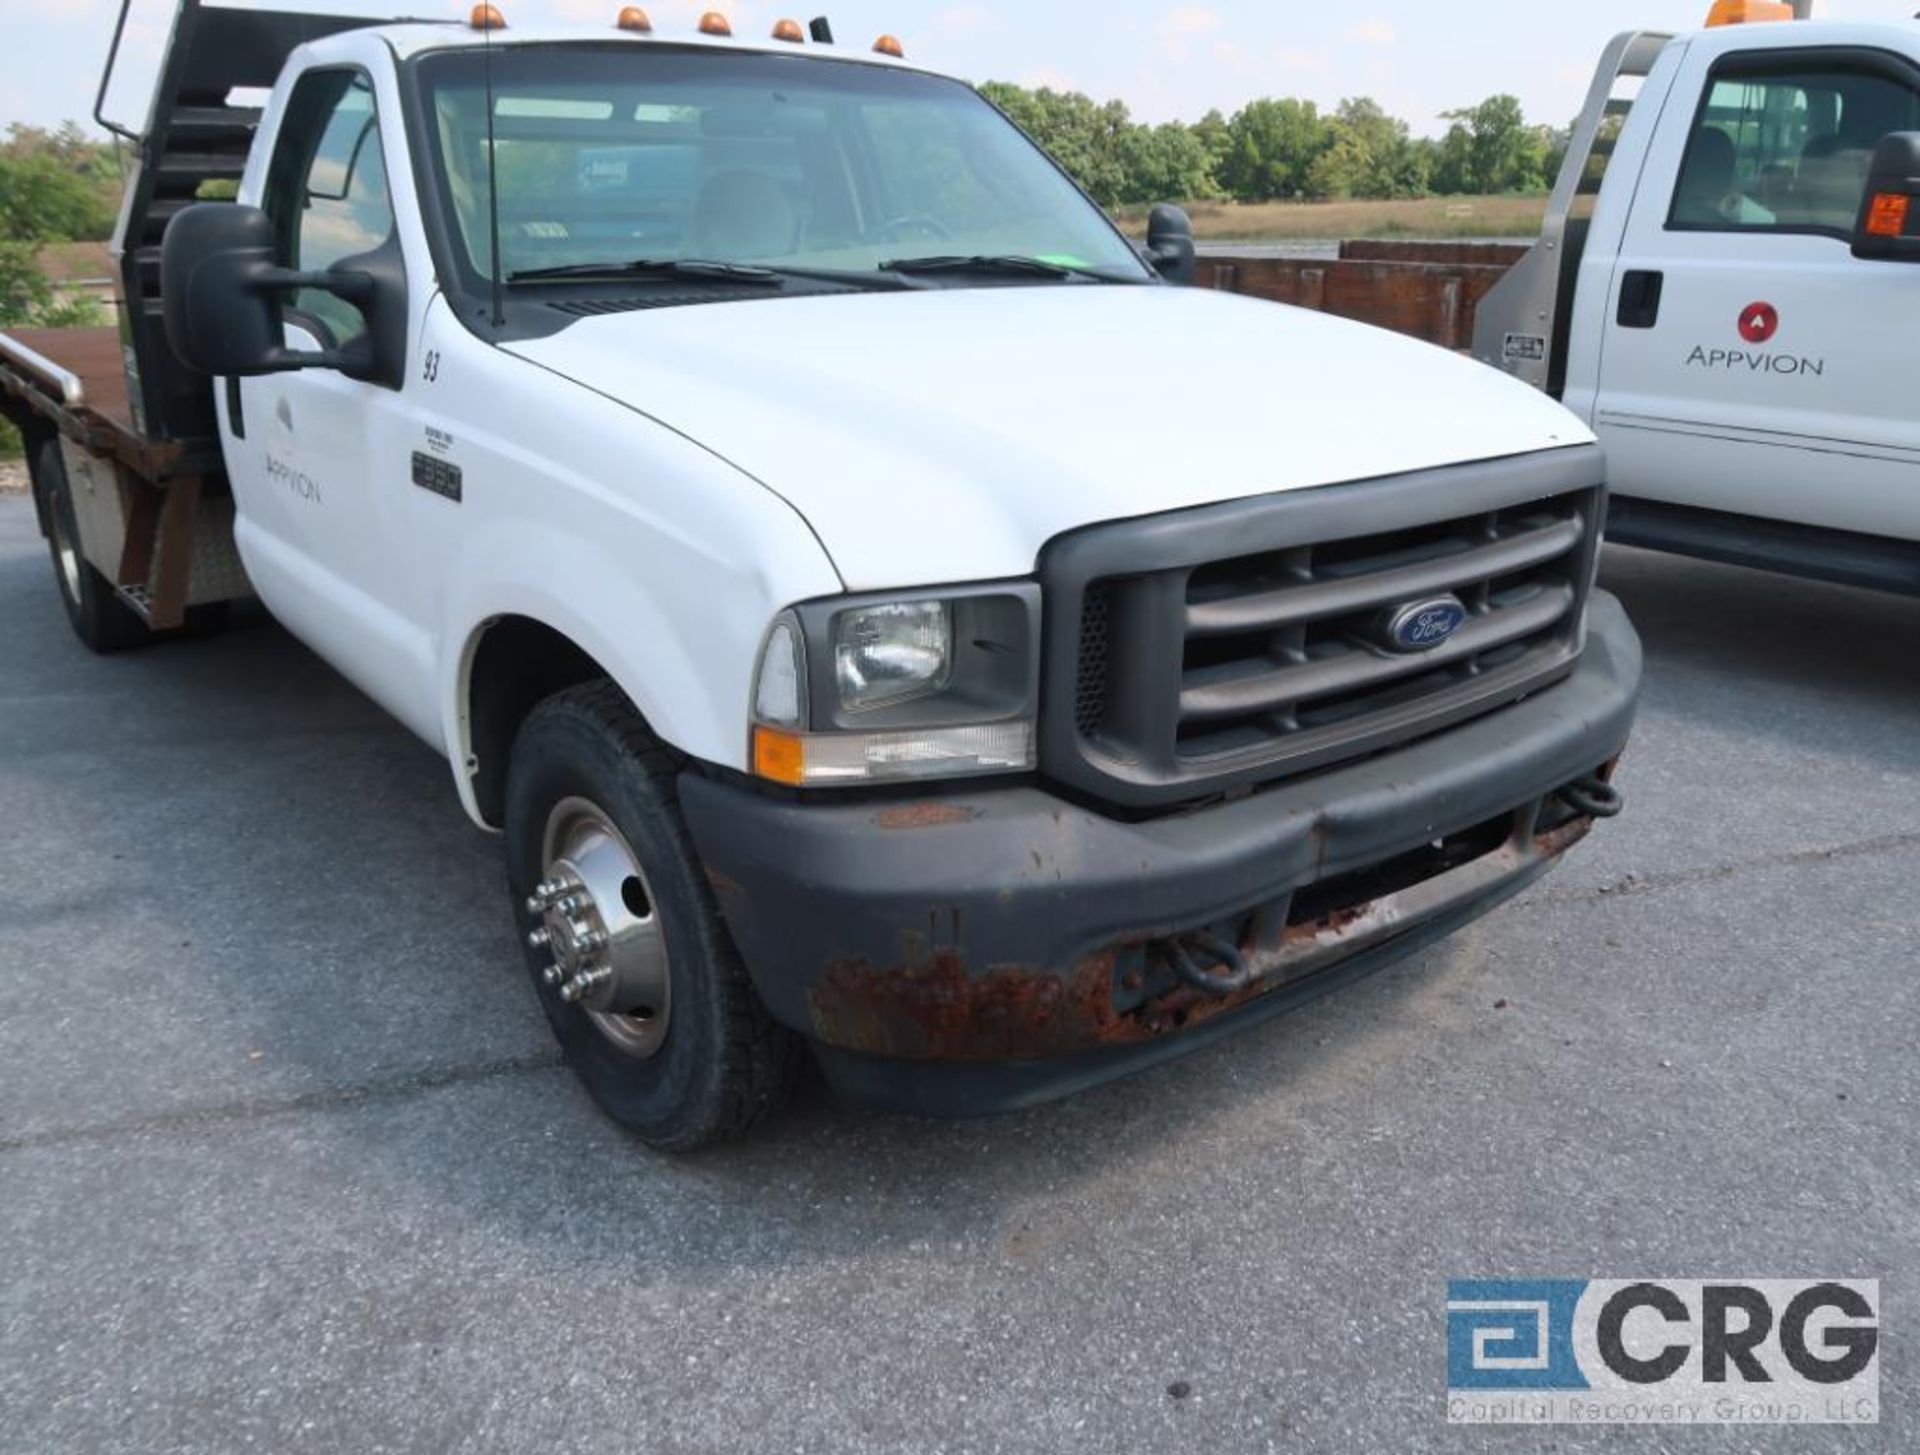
column 610, row 154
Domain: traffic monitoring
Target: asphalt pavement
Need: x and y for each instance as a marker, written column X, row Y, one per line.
column 288, row 1162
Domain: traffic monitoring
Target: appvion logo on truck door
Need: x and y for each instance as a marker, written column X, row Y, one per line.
column 1759, row 322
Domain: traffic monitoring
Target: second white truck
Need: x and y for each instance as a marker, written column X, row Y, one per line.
column 1726, row 292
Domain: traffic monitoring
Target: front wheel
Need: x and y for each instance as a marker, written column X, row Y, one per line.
column 631, row 960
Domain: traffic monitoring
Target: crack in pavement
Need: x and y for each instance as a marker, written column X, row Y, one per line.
column 391, row 1088
column 1636, row 884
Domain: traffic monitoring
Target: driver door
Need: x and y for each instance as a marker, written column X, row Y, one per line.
column 322, row 501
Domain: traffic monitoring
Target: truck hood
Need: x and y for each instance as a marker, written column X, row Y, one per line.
column 947, row 435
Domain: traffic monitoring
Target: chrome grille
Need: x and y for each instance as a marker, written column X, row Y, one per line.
column 1257, row 650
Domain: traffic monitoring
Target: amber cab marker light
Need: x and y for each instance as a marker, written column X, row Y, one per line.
column 1747, row 12
column 790, row 32
column 779, row 757
column 714, row 23
column 889, row 45
column 487, row 17
column 1888, row 216
column 635, row 19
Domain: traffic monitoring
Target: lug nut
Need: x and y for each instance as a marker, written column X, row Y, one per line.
column 552, row 975
column 585, row 984
column 540, row 938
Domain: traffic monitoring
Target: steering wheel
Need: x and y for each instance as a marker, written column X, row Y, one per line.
column 928, row 226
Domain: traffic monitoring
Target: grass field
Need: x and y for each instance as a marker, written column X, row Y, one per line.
column 1426, row 217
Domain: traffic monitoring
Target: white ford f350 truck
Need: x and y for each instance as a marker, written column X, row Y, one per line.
column 878, row 611
column 1725, row 289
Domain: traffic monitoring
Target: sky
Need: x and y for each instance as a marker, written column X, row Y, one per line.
column 1166, row 60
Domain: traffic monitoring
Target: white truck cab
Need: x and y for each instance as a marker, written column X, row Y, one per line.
column 878, row 609
column 1709, row 297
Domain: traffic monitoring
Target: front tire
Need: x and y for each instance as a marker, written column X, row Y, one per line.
column 630, row 958
column 98, row 616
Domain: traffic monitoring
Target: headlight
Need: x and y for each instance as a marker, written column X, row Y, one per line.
column 894, row 653
column 873, row 691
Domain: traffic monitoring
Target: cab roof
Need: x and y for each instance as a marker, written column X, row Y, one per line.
column 1799, row 34
column 412, row 38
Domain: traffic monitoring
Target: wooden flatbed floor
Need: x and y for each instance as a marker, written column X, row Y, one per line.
column 102, row 418
column 91, row 353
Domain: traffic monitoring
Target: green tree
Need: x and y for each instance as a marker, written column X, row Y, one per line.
column 54, row 186
column 57, row 185
column 1213, row 133
column 1275, row 146
column 27, row 299
column 1490, row 148
column 1168, row 163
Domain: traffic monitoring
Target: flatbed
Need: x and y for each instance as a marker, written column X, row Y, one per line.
column 76, row 380
column 153, row 516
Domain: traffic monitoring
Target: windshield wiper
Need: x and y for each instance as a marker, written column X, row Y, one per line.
column 703, row 270
column 697, row 268
column 1004, row 264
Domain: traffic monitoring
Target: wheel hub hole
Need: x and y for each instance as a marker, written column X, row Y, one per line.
column 633, row 894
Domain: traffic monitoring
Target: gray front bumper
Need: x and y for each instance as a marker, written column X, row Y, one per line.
column 982, row 949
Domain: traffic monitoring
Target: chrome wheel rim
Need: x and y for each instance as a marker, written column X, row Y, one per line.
column 600, row 921
column 65, row 554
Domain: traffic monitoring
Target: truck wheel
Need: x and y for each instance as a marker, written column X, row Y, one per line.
column 100, row 618
column 631, row 960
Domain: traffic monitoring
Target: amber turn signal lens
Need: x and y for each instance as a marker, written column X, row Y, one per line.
column 635, row 19
column 779, row 757
column 1747, row 12
column 1887, row 217
column 889, row 45
column 714, row 23
column 487, row 17
column 789, row 31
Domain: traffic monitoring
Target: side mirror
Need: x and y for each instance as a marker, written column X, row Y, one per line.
column 225, row 296
column 1170, row 243
column 1889, row 225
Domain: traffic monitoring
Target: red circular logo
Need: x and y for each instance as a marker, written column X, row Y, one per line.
column 1759, row 322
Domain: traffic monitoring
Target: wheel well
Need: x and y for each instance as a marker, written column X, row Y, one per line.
column 518, row 664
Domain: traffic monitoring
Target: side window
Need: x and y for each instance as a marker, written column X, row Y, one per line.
column 1786, row 148
column 327, row 188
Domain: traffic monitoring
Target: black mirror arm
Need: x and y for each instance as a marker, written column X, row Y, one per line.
column 352, row 287
column 355, row 288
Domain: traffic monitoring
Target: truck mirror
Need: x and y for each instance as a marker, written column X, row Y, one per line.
column 1170, row 243
column 224, row 294
column 1889, row 225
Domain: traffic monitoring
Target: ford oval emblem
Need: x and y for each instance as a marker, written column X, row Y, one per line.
column 1420, row 626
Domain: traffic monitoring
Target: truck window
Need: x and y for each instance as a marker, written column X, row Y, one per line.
column 327, row 189
column 1784, row 146
column 616, row 153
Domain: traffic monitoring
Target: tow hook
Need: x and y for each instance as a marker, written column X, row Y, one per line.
column 1593, row 797
column 1188, row 954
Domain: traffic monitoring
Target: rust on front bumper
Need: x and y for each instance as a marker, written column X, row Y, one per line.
column 939, row 1008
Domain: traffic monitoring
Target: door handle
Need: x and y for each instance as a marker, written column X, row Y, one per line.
column 1640, row 293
